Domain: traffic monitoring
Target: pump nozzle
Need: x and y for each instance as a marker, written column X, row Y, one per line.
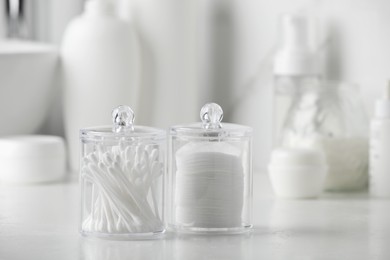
column 294, row 32
column 296, row 56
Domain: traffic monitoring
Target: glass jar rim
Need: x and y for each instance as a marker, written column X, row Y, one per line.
column 106, row 132
column 197, row 130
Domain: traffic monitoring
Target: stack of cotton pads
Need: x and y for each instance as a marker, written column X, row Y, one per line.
column 209, row 185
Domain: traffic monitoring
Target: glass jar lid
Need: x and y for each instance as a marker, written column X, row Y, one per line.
column 123, row 127
column 211, row 125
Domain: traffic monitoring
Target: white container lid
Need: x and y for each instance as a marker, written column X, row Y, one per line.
column 297, row 173
column 285, row 157
column 32, row 159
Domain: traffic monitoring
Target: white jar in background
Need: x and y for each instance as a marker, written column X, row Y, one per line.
column 297, row 173
column 32, row 159
column 380, row 148
column 100, row 70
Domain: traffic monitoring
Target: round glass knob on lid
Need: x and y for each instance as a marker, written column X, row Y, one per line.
column 211, row 115
column 123, row 119
column 122, row 126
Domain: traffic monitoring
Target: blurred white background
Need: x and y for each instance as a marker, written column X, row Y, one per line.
column 194, row 51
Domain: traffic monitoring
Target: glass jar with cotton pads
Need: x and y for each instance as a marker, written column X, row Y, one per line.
column 209, row 182
column 121, row 175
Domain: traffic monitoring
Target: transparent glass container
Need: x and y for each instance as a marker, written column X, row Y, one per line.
column 310, row 113
column 209, row 181
column 121, row 176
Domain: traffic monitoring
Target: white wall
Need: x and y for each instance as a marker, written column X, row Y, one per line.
column 353, row 33
column 49, row 21
column 234, row 42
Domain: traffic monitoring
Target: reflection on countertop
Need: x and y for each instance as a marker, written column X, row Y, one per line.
column 41, row 222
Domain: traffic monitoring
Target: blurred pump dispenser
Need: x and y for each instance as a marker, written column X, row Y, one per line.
column 296, row 66
column 100, row 70
column 380, row 148
column 296, row 57
column 312, row 113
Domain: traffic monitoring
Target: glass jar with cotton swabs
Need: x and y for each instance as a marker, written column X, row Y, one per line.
column 209, row 183
column 121, row 175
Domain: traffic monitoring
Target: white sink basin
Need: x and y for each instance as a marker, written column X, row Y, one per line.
column 27, row 73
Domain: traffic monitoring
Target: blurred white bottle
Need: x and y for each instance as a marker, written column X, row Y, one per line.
column 168, row 36
column 100, row 70
column 380, row 148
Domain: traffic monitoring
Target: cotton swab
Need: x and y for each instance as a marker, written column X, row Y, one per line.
column 121, row 179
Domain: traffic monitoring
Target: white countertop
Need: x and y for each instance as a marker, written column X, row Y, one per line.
column 41, row 222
